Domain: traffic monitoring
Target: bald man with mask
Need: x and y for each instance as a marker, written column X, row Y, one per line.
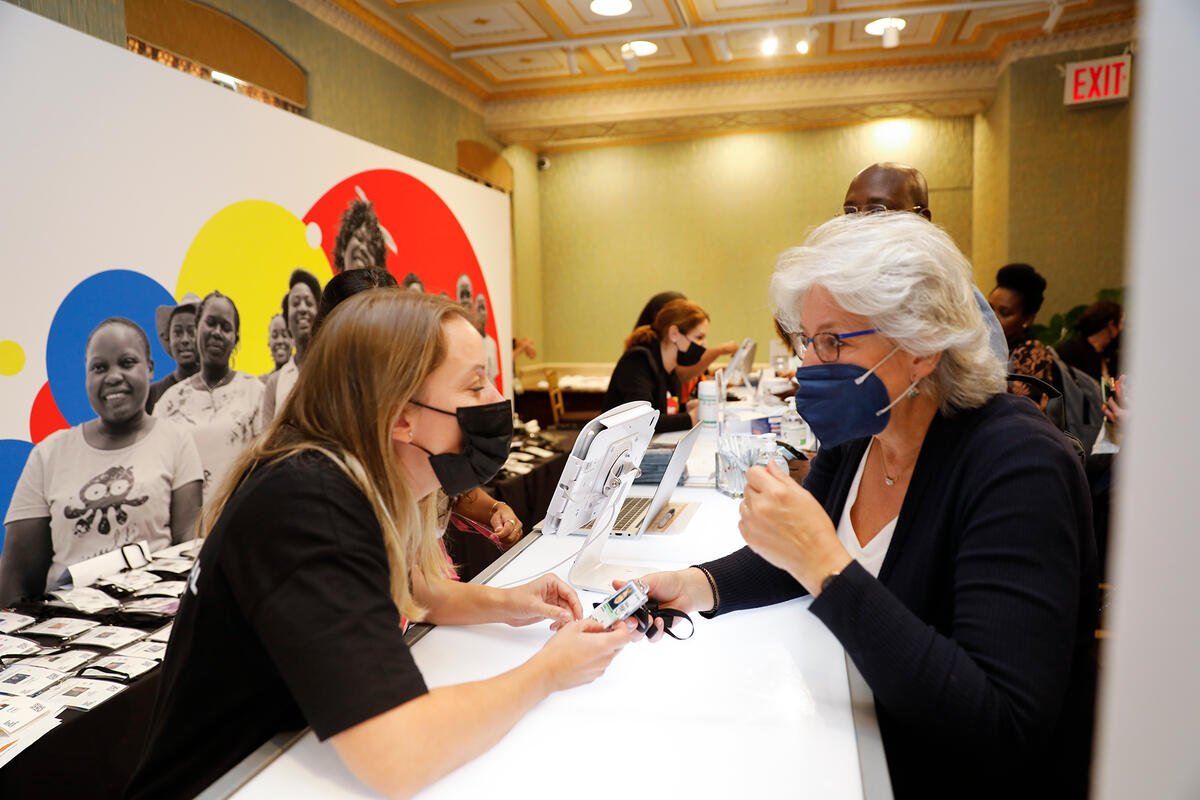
column 889, row 186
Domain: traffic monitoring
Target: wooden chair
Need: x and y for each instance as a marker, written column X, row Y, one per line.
column 558, row 408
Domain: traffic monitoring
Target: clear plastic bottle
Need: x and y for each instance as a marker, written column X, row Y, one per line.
column 793, row 429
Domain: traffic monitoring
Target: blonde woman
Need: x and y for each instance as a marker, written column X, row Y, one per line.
column 323, row 537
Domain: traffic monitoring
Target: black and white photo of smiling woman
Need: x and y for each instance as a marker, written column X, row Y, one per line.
column 218, row 406
column 299, row 306
column 107, row 482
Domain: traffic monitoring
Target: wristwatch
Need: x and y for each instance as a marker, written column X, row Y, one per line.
column 828, row 579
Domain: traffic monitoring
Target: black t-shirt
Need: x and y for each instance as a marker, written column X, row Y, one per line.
column 1080, row 354
column 288, row 619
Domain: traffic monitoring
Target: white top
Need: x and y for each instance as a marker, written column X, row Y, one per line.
column 286, row 379
column 222, row 422
column 99, row 500
column 871, row 557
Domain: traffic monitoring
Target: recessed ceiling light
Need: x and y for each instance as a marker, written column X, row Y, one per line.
column 802, row 47
column 643, row 48
column 877, row 27
column 770, row 44
column 611, row 8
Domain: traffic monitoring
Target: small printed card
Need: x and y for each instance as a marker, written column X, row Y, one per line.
column 86, row 600
column 145, row 649
column 172, row 566
column 517, row 468
column 64, row 661
column 157, row 606
column 60, row 627
column 17, row 712
column 83, row 693
column 189, row 550
column 128, row 581
column 163, row 589
column 24, row 680
column 125, row 667
column 110, row 636
column 540, row 452
column 163, row 634
column 16, row 646
column 11, row 621
column 519, row 456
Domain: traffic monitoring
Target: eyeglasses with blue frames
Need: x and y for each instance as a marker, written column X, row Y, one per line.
column 828, row 345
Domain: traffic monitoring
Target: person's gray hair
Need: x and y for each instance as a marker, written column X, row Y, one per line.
column 907, row 277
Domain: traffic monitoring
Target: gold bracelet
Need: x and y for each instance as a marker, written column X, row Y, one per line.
column 495, row 506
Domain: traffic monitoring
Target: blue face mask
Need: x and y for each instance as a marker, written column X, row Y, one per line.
column 844, row 402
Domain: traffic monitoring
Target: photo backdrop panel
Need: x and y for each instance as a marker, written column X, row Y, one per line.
column 128, row 185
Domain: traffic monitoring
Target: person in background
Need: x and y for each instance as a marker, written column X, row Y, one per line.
column 1016, row 301
column 324, row 540
column 677, row 337
column 489, row 344
column 413, row 282
column 889, row 186
column 111, row 481
column 1099, row 330
column 360, row 241
column 299, row 311
column 279, row 340
column 219, row 406
column 176, row 327
column 465, row 292
column 683, row 375
column 523, row 346
column 944, row 531
column 347, row 284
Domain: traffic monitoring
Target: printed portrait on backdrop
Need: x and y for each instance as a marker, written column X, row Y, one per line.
column 391, row 219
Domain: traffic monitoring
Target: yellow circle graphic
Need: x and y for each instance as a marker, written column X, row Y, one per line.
column 247, row 251
column 12, row 357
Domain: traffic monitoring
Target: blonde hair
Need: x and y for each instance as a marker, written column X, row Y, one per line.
column 907, row 277
column 375, row 351
column 682, row 313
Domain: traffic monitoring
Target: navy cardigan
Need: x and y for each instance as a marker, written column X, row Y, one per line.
column 976, row 639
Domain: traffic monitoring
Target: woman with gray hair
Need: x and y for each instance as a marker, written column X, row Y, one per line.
column 944, row 531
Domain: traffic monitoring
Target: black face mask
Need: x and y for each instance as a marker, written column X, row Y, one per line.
column 691, row 356
column 487, row 435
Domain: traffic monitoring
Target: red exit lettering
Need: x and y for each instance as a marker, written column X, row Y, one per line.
column 1091, row 81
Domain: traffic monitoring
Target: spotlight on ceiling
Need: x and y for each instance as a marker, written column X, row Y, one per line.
column 630, row 58
column 805, row 42
column 770, row 44
column 642, row 48
column 572, row 64
column 611, row 8
column 723, row 51
column 1056, row 12
column 889, row 28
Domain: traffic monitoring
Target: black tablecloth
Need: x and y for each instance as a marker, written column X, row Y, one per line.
column 91, row 754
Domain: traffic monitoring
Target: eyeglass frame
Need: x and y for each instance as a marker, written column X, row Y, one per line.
column 800, row 342
column 876, row 208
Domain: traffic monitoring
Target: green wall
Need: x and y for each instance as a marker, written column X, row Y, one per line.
column 350, row 88
column 528, row 298
column 1051, row 183
column 1068, row 182
column 708, row 217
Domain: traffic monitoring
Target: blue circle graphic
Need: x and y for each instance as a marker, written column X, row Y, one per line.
column 113, row 293
column 13, row 453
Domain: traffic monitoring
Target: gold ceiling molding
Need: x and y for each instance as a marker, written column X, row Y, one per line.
column 360, row 31
column 685, row 100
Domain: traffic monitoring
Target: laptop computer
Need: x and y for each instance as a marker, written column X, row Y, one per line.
column 655, row 514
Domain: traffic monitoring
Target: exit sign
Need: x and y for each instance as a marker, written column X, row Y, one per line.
column 1100, row 81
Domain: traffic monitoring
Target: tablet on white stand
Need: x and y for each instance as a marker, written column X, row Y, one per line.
column 601, row 468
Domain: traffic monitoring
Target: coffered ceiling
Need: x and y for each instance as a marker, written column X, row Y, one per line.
column 551, row 73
